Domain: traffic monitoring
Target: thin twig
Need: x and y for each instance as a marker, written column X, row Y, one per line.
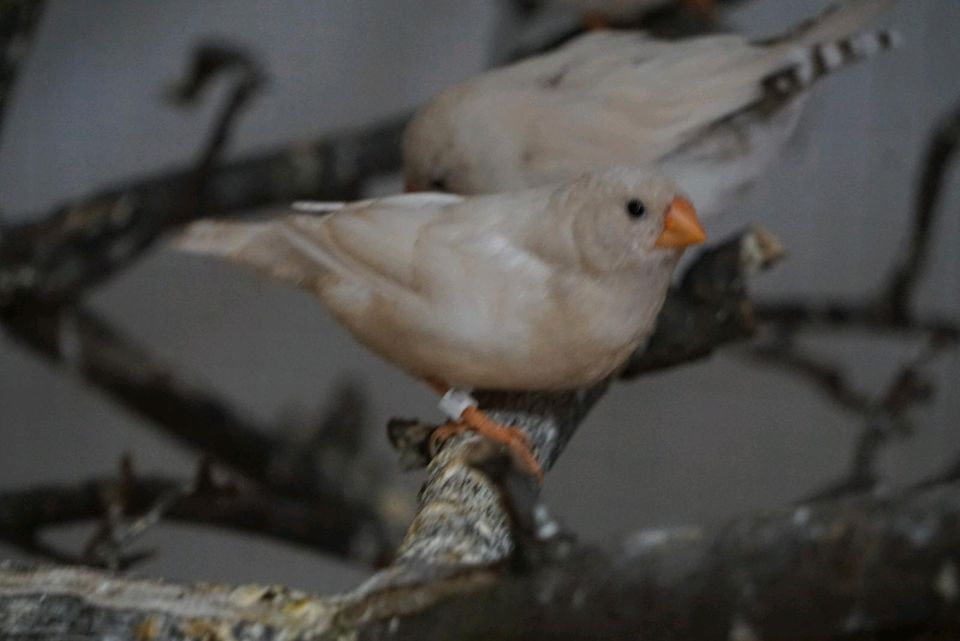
column 119, row 527
column 844, row 315
column 885, row 418
column 18, row 24
column 908, row 272
column 27, row 514
column 87, row 346
column 55, row 261
column 826, row 377
column 890, row 312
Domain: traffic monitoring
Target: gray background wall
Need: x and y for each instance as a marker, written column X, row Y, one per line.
column 694, row 444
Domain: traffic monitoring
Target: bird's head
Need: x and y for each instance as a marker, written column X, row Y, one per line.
column 450, row 145
column 629, row 219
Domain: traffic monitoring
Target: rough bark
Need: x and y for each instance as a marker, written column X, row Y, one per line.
column 864, row 567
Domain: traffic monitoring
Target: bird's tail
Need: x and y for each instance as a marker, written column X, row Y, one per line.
column 811, row 63
column 286, row 249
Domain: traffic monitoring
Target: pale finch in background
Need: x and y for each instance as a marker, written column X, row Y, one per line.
column 542, row 289
column 711, row 112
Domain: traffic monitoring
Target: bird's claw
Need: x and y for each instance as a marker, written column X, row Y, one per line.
column 516, row 441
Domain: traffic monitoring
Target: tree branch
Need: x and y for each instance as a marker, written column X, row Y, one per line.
column 56, row 260
column 18, row 24
column 334, row 167
column 890, row 311
column 46, row 267
column 27, row 513
column 356, row 523
column 908, row 272
column 869, row 567
column 885, row 419
column 710, row 307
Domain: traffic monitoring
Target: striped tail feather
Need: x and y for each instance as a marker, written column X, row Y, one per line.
column 823, row 58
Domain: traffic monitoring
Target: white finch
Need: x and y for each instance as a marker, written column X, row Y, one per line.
column 548, row 288
column 711, row 112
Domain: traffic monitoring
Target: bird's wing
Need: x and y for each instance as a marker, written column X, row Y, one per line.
column 370, row 243
column 682, row 88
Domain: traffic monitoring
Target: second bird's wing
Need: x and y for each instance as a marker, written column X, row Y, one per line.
column 628, row 95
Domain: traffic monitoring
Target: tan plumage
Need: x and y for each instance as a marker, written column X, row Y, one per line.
column 711, row 112
column 548, row 288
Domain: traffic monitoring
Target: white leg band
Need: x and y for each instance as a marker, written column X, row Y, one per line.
column 455, row 402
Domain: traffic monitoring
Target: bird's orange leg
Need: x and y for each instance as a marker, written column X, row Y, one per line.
column 474, row 419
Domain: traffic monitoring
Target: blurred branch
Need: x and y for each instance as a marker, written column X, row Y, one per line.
column 869, row 567
column 47, row 266
column 909, row 271
column 885, row 419
column 131, row 505
column 88, row 347
column 18, row 24
column 55, row 260
column 889, row 312
column 842, row 315
column 781, row 353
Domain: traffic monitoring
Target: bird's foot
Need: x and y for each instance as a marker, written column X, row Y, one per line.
column 474, row 420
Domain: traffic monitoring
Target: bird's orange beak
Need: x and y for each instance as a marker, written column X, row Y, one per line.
column 681, row 227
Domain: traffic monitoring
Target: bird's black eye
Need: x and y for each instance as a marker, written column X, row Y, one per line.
column 636, row 209
column 438, row 184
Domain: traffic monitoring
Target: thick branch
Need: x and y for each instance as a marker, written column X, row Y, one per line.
column 869, row 567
